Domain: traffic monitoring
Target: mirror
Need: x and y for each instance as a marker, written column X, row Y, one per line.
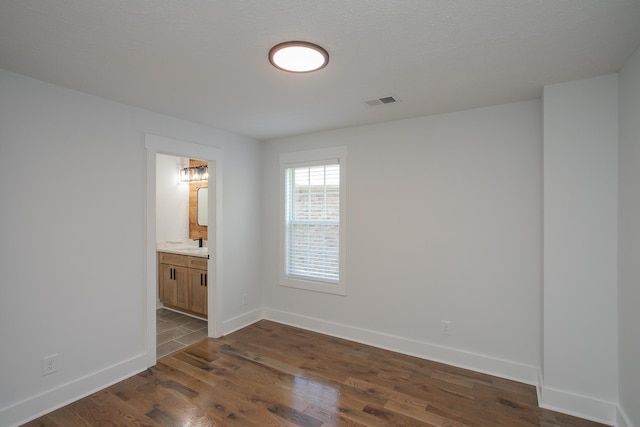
column 198, row 205
column 203, row 203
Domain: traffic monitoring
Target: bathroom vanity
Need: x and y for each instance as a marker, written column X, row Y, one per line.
column 183, row 278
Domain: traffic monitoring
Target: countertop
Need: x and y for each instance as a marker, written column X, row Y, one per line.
column 182, row 248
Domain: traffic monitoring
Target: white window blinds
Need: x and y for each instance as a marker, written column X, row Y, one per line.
column 312, row 221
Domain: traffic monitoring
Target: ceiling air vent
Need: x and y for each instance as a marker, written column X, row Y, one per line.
column 381, row 101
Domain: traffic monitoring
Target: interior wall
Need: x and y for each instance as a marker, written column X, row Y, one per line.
column 72, row 180
column 629, row 241
column 172, row 199
column 580, row 247
column 443, row 223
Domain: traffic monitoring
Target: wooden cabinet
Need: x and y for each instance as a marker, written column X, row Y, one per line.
column 198, row 285
column 174, row 285
column 183, row 282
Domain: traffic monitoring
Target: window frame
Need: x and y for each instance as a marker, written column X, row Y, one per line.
column 317, row 157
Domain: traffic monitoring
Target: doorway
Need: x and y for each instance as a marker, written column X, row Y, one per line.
column 182, row 186
column 213, row 156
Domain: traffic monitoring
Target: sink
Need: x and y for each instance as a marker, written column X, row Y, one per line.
column 181, row 247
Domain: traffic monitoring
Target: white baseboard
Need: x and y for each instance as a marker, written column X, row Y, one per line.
column 239, row 322
column 580, row 406
column 50, row 400
column 622, row 420
column 476, row 362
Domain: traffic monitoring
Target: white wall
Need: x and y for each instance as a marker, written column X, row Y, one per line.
column 172, row 199
column 629, row 240
column 580, row 247
column 443, row 222
column 72, row 238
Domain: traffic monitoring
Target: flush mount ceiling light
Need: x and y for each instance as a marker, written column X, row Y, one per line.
column 298, row 57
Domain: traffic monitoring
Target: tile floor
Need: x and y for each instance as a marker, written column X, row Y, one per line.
column 175, row 331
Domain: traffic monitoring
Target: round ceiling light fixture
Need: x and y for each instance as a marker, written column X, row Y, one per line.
column 298, row 57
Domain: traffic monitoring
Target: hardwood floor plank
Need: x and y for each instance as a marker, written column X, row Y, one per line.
column 188, row 369
column 59, row 418
column 385, row 394
column 126, row 414
column 206, row 398
column 242, row 398
column 45, row 421
column 269, row 374
column 419, row 413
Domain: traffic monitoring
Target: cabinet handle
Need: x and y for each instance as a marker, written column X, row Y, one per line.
column 200, row 279
column 205, row 279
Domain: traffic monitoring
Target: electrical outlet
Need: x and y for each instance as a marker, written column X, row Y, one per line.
column 49, row 364
column 245, row 299
column 446, row 327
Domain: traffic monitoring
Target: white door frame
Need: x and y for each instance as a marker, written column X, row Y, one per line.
column 160, row 145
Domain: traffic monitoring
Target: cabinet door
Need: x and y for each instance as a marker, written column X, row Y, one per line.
column 174, row 285
column 181, row 280
column 167, row 289
column 198, row 282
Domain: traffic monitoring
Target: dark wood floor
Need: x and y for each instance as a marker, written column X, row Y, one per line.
column 273, row 375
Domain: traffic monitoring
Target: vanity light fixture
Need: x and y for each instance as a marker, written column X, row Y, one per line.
column 298, row 57
column 194, row 173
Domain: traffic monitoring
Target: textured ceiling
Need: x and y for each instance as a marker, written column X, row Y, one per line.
column 206, row 60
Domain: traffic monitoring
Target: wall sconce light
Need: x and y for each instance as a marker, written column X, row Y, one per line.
column 194, row 173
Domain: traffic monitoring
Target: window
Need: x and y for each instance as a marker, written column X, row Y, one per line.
column 313, row 226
